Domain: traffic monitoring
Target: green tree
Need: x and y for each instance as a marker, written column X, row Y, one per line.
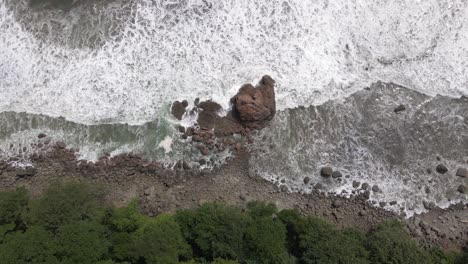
column 82, row 242
column 390, row 244
column 160, row 241
column 67, row 203
column 34, row 246
column 13, row 205
column 321, row 243
column 214, row 230
column 265, row 236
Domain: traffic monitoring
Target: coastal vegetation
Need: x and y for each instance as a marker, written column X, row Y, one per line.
column 71, row 223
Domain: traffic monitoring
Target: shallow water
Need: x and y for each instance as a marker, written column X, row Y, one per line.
column 363, row 138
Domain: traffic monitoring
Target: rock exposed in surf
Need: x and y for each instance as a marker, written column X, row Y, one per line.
column 326, row 171
column 253, row 104
column 442, row 169
column 178, row 109
column 462, row 172
column 399, row 109
column 462, row 188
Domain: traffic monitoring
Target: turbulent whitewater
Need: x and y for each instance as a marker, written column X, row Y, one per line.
column 101, row 76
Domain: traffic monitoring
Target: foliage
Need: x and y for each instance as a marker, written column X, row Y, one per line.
column 35, row 245
column 160, row 240
column 71, row 224
column 214, row 230
column 64, row 204
column 389, row 243
column 82, row 242
column 319, row 242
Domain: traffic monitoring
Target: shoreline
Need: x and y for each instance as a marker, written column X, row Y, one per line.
column 159, row 190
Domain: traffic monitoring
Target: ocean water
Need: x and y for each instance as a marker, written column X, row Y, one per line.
column 117, row 65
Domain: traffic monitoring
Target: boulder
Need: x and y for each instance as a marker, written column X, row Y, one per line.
column 462, row 188
column 375, row 188
column 337, row 174
column 306, row 180
column 253, row 104
column 326, row 172
column 462, row 172
column 178, row 109
column 442, row 169
column 399, row 108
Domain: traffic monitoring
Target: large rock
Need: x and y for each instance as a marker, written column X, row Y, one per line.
column 252, row 104
column 178, row 109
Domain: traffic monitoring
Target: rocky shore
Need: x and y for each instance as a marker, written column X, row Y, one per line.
column 159, row 189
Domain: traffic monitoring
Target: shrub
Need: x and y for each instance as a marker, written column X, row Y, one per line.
column 160, row 241
column 214, row 231
column 82, row 242
column 389, row 243
column 265, row 236
column 12, row 205
column 67, row 203
column 319, row 242
column 35, row 245
column 12, row 208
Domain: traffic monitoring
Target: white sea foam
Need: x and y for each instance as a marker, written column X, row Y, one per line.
column 167, row 50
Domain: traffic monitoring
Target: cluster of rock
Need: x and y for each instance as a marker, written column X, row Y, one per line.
column 252, row 107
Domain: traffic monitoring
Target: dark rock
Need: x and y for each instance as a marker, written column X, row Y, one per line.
column 462, row 172
column 184, row 103
column 427, row 189
column 60, row 145
column 375, row 188
column 365, row 186
column 210, row 106
column 181, row 129
column 337, row 174
column 284, row 188
column 306, row 180
column 27, row 171
column 197, row 138
column 318, row 186
column 442, row 169
column 178, row 109
column 356, row 184
column 204, row 151
column 462, row 188
column 255, row 103
column 337, row 203
column 428, row 205
column 367, row 194
column 41, row 135
column 196, row 102
column 382, row 204
column 326, row 171
column 393, row 202
column 399, row 108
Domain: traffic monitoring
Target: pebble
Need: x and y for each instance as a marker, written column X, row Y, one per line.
column 306, row 180
column 367, row 194
column 41, row 135
column 382, row 204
